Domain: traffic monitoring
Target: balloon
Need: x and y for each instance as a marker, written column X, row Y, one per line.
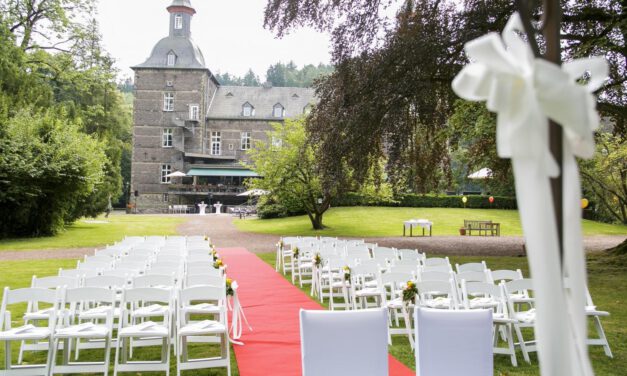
column 464, row 199
column 491, row 199
column 584, row 203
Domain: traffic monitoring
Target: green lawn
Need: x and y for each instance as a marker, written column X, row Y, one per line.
column 386, row 221
column 17, row 274
column 91, row 233
column 606, row 278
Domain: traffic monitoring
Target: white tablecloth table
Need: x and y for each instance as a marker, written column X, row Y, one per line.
column 424, row 223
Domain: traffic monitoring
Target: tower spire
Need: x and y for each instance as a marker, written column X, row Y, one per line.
column 181, row 12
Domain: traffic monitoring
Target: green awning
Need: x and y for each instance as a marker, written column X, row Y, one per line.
column 222, row 172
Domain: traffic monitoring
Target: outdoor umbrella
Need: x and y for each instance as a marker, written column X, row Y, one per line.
column 254, row 192
column 484, row 173
column 176, row 174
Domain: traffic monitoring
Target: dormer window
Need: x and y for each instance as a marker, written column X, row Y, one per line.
column 171, row 59
column 248, row 110
column 178, row 22
column 278, row 110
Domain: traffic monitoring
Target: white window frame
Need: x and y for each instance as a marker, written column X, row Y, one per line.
column 194, row 112
column 168, row 102
column 251, row 110
column 277, row 142
column 178, row 22
column 171, row 59
column 167, row 138
column 245, row 140
column 278, row 107
column 166, row 169
column 216, row 143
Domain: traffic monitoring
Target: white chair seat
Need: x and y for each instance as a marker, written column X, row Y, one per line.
column 395, row 303
column 25, row 333
column 145, row 329
column 98, row 313
column 149, row 311
column 592, row 311
column 439, row 302
column 202, row 328
column 483, row 303
column 525, row 316
column 202, row 308
column 368, row 291
column 85, row 330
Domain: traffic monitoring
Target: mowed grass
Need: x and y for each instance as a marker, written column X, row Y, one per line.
column 386, row 221
column 607, row 278
column 100, row 231
column 18, row 274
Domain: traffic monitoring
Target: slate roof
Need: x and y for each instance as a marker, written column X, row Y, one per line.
column 228, row 101
column 181, row 3
column 188, row 55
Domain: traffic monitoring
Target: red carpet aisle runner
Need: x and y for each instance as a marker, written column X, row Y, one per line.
column 271, row 305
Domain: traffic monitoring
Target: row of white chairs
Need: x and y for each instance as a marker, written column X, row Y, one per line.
column 175, row 265
column 378, row 282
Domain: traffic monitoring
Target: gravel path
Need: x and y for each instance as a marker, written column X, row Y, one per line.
column 224, row 234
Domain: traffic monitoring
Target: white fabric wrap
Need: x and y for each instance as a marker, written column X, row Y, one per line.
column 525, row 92
column 238, row 317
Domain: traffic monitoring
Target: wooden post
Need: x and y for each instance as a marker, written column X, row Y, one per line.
column 551, row 30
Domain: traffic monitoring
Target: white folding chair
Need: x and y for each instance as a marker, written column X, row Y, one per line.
column 92, row 330
column 484, row 295
column 365, row 285
column 138, row 305
column 206, row 301
column 78, row 273
column 496, row 276
column 27, row 332
column 453, row 342
column 154, row 280
column 344, row 343
column 522, row 311
column 393, row 301
column 438, row 294
column 204, row 279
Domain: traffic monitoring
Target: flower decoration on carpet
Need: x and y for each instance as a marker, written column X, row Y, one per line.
column 206, row 238
column 317, row 260
column 215, row 254
column 296, row 252
column 229, row 287
column 218, row 264
column 410, row 292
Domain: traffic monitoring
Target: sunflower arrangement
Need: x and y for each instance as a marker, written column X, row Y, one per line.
column 409, row 293
column 229, row 287
column 296, row 252
column 215, row 254
column 218, row 263
column 317, row 260
column 347, row 273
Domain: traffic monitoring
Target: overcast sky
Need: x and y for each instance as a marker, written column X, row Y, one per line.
column 230, row 34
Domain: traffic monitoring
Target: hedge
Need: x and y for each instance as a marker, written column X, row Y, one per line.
column 429, row 201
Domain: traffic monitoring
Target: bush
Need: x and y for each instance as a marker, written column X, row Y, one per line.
column 429, row 201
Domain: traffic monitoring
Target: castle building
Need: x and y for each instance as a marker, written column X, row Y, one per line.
column 185, row 122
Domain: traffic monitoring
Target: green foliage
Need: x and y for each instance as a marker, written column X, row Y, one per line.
column 290, row 171
column 427, row 201
column 279, row 75
column 47, row 167
column 605, row 178
column 78, row 124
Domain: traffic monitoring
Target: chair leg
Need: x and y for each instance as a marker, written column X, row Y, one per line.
column 521, row 342
column 116, row 359
column 178, row 355
column 53, row 358
column 7, row 354
column 601, row 333
column 20, row 356
column 107, row 355
column 510, row 344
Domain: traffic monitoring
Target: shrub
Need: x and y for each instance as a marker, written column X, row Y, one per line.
column 429, row 201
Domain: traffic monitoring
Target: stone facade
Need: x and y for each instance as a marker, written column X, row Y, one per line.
column 179, row 106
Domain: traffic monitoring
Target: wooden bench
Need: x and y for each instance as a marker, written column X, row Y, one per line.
column 482, row 227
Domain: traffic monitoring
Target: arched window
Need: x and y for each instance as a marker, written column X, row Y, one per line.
column 171, row 59
column 278, row 110
column 248, row 110
column 178, row 22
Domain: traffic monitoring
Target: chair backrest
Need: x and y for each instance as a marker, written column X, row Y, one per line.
column 453, row 342
column 94, row 265
column 410, row 254
column 204, row 279
column 468, row 289
column 361, row 253
column 434, row 276
column 152, row 280
column 169, row 258
column 505, row 275
column 433, row 261
column 471, row 267
column 404, row 268
column 431, row 288
column 203, row 269
column 52, row 282
column 147, row 294
column 344, row 342
column 106, row 281
column 472, row 276
column 201, row 293
column 384, row 253
column 436, row 268
column 76, row 273
column 517, row 286
column 27, row 295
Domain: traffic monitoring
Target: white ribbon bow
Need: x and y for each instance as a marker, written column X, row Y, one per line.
column 238, row 317
column 525, row 92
